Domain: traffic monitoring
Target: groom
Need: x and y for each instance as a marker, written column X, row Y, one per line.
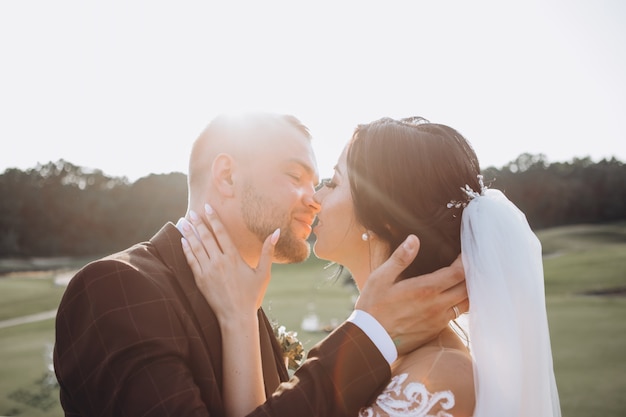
column 134, row 336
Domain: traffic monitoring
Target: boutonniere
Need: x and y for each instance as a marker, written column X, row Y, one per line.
column 292, row 348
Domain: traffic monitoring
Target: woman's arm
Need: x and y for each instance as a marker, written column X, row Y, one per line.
column 243, row 388
column 235, row 292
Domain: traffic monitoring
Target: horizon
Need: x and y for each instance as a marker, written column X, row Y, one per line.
column 88, row 170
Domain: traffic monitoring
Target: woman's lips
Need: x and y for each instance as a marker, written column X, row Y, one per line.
column 316, row 224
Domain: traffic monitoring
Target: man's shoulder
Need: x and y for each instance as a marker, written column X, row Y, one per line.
column 130, row 260
column 135, row 271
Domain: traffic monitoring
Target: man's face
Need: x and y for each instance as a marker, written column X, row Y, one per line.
column 278, row 193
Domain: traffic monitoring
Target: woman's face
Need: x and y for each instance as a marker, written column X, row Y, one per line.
column 338, row 232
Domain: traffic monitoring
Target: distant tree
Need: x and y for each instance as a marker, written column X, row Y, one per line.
column 60, row 209
column 579, row 191
column 152, row 201
column 12, row 198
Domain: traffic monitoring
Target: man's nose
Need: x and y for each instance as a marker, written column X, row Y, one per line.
column 312, row 201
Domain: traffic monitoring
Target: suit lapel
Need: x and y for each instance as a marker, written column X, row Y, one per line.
column 271, row 355
column 167, row 243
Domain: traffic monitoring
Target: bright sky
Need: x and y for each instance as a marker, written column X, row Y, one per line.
column 126, row 86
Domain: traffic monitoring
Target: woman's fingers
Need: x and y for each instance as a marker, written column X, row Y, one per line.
column 206, row 236
column 216, row 263
column 193, row 262
column 195, row 246
column 219, row 232
column 196, row 255
column 213, row 235
column 267, row 253
column 264, row 267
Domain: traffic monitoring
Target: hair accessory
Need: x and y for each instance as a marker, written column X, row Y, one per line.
column 471, row 194
column 365, row 236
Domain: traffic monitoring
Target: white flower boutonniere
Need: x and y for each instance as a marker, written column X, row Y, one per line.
column 293, row 351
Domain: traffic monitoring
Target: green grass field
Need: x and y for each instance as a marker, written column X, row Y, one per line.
column 585, row 269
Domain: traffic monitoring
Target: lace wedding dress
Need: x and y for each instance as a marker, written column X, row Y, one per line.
column 409, row 400
column 435, row 380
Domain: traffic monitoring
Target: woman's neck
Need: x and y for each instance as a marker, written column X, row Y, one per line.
column 359, row 277
column 365, row 260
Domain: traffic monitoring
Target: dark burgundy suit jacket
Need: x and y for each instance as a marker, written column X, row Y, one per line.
column 135, row 337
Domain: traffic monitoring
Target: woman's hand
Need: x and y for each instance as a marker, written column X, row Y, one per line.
column 232, row 288
column 235, row 292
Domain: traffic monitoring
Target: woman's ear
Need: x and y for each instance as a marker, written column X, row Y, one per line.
column 222, row 172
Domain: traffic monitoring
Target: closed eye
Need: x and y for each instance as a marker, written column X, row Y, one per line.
column 296, row 177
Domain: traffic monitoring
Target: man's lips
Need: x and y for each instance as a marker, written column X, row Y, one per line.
column 307, row 222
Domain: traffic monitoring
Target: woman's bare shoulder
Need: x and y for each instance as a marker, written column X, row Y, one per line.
column 444, row 375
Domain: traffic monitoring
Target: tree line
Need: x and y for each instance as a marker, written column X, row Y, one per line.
column 60, row 209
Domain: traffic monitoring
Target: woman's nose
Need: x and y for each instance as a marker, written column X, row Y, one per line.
column 319, row 195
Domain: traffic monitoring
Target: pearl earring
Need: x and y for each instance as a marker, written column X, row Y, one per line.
column 365, row 236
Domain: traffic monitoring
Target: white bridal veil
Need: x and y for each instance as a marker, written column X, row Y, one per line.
column 508, row 326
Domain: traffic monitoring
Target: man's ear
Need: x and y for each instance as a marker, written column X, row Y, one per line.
column 222, row 172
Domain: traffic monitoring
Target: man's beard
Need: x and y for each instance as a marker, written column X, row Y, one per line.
column 262, row 218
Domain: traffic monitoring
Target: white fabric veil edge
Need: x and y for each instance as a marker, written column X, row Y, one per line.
column 507, row 322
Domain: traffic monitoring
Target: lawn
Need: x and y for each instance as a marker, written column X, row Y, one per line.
column 585, row 269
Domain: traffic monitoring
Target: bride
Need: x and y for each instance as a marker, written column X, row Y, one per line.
column 397, row 178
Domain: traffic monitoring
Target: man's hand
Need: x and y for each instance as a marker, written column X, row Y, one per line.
column 414, row 310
